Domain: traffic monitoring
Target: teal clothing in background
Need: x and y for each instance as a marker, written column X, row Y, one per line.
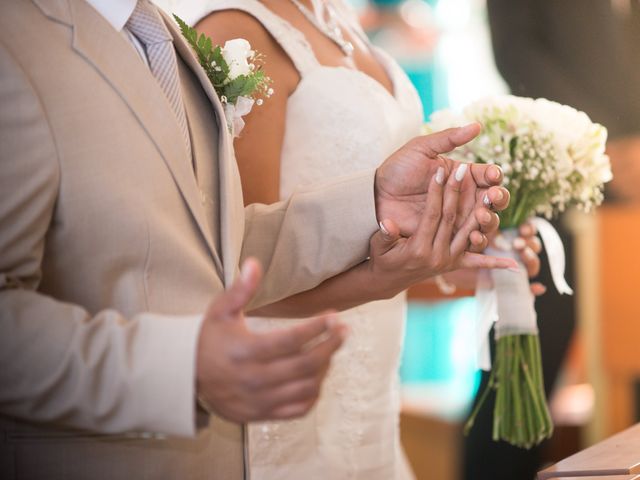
column 425, row 72
column 437, row 347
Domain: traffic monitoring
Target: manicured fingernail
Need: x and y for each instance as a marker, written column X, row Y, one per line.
column 440, row 176
column 499, row 195
column 383, row 229
column 486, row 217
column 519, row 243
column 460, row 171
column 496, row 172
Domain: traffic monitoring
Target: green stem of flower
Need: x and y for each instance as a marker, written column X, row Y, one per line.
column 521, row 416
column 481, row 401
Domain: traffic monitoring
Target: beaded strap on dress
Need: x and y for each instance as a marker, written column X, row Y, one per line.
column 351, row 15
column 292, row 40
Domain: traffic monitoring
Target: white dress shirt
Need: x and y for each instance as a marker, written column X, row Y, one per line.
column 117, row 13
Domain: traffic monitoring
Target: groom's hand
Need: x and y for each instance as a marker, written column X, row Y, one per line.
column 245, row 376
column 402, row 182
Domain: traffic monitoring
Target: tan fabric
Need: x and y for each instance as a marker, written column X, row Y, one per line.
column 111, row 247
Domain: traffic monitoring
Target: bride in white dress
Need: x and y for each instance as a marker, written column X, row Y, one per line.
column 338, row 120
column 341, row 105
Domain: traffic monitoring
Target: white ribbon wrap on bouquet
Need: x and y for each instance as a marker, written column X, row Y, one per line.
column 504, row 296
column 555, row 253
column 234, row 112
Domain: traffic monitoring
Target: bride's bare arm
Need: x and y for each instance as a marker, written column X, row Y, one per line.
column 378, row 278
column 260, row 143
column 347, row 290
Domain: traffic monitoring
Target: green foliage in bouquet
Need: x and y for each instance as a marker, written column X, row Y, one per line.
column 212, row 60
column 553, row 158
column 529, row 167
column 552, row 155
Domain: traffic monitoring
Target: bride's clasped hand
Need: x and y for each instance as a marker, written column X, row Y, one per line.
column 434, row 213
column 402, row 183
column 435, row 248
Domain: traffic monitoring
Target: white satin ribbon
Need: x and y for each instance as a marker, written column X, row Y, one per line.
column 504, row 296
column 555, row 253
column 486, row 316
column 234, row 112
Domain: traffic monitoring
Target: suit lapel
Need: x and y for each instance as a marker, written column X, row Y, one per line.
column 230, row 190
column 117, row 61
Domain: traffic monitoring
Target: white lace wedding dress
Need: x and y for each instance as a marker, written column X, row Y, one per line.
column 338, row 121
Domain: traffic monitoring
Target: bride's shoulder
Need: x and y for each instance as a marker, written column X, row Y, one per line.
column 223, row 25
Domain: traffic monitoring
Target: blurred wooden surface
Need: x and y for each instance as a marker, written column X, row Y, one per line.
column 433, row 446
column 605, row 477
column 617, row 455
column 619, row 265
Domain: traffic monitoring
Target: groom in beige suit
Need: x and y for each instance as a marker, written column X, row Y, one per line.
column 120, row 224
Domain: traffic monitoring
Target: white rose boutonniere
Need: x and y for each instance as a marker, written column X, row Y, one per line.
column 237, row 53
column 235, row 71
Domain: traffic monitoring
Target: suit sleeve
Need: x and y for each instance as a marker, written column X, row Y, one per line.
column 60, row 363
column 317, row 233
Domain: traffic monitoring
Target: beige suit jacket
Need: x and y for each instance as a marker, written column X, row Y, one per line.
column 112, row 243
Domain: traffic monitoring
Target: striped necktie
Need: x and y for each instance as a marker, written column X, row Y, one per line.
column 147, row 25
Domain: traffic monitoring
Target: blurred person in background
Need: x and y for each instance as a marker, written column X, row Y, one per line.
column 583, row 53
column 409, row 32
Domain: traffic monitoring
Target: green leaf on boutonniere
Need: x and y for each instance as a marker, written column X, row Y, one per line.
column 217, row 58
column 239, row 86
column 208, row 56
column 212, row 59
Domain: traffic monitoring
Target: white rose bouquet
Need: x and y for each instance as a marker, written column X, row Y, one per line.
column 235, row 72
column 553, row 158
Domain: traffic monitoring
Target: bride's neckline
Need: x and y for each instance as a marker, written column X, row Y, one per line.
column 393, row 93
column 376, row 54
column 328, row 25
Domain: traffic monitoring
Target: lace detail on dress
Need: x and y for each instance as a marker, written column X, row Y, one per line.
column 349, row 381
column 352, row 433
column 271, row 442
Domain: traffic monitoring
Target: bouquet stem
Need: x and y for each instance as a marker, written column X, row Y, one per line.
column 520, row 416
